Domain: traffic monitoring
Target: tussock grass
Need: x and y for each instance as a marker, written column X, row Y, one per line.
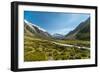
column 37, row 49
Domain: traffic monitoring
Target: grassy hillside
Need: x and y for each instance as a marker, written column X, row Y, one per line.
column 84, row 33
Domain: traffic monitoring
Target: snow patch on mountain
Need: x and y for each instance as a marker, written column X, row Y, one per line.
column 58, row 36
column 34, row 26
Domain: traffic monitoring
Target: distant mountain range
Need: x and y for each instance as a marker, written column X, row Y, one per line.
column 81, row 32
column 58, row 36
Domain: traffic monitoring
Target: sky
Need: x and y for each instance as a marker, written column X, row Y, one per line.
column 55, row 22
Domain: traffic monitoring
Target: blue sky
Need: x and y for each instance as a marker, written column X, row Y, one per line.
column 55, row 22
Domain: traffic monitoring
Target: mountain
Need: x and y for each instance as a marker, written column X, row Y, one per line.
column 34, row 30
column 58, row 36
column 81, row 32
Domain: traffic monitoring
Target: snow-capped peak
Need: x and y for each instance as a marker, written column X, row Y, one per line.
column 35, row 25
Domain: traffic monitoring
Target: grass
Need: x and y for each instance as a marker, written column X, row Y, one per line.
column 35, row 56
column 36, row 49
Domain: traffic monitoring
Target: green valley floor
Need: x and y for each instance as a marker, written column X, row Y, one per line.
column 36, row 49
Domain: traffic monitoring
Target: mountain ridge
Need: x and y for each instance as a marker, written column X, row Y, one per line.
column 34, row 30
column 82, row 29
